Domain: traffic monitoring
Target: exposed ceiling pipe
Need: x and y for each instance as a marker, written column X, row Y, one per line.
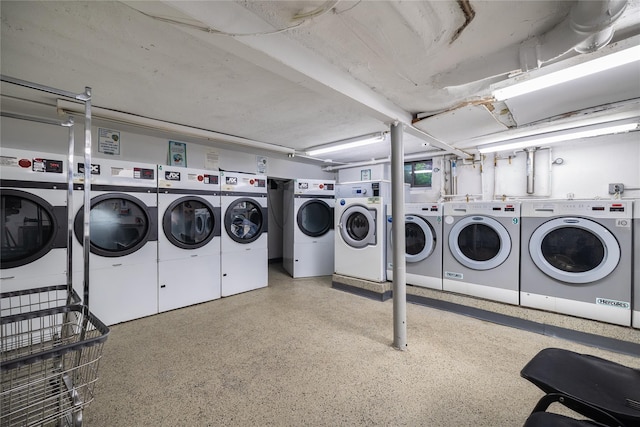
column 588, row 27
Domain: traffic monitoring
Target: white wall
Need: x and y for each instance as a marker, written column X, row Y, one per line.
column 143, row 146
column 588, row 168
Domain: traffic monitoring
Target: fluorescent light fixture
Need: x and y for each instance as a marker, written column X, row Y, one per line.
column 560, row 136
column 584, row 69
column 149, row 123
column 345, row 144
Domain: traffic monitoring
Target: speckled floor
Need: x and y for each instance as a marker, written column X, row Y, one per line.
column 302, row 353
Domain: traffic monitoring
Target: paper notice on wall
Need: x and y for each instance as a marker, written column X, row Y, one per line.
column 177, row 154
column 109, row 142
column 262, row 165
column 212, row 160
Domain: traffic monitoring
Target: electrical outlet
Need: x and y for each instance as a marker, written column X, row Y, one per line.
column 616, row 188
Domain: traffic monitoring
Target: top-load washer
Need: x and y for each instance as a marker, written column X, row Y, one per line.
column 244, row 247
column 423, row 245
column 308, row 232
column 34, row 219
column 481, row 249
column 189, row 237
column 576, row 258
column 123, row 267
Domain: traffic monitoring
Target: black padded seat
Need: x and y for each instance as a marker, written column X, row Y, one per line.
column 597, row 388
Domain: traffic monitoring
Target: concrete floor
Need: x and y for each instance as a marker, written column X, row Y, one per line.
column 302, row 353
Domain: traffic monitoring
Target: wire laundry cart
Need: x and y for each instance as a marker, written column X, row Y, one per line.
column 51, row 346
column 50, row 343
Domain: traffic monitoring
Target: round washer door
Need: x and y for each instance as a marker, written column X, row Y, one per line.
column 189, row 222
column 29, row 227
column 245, row 220
column 420, row 238
column 358, row 226
column 315, row 218
column 479, row 242
column 574, row 250
column 120, row 224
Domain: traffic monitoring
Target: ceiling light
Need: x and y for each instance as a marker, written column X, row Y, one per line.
column 560, row 136
column 584, row 69
column 347, row 143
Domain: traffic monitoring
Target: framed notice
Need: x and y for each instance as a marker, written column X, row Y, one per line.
column 109, row 142
column 365, row 174
column 177, row 154
column 261, row 165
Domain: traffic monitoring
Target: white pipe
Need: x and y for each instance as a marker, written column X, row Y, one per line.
column 146, row 122
column 588, row 27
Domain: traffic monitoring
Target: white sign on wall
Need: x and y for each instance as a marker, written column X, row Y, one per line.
column 109, row 142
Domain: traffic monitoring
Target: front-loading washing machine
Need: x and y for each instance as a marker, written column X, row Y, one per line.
column 244, row 247
column 576, row 258
column 308, row 231
column 481, row 249
column 423, row 245
column 189, row 236
column 360, row 245
column 123, row 260
column 34, row 219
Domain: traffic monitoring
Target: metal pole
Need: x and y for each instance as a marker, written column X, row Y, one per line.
column 40, row 87
column 398, row 236
column 86, row 240
column 69, row 123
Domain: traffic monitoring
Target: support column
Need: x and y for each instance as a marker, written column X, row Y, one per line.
column 398, row 236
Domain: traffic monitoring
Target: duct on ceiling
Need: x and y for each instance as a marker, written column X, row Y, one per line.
column 588, row 28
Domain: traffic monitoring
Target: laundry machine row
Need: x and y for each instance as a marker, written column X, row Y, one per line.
column 568, row 257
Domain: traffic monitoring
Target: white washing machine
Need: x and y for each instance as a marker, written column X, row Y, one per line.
column 360, row 245
column 123, row 266
column 188, row 237
column 34, row 219
column 244, row 246
column 308, row 232
column 576, row 258
column 635, row 265
column 481, row 250
column 423, row 248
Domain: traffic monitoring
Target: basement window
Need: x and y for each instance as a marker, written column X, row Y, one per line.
column 418, row 174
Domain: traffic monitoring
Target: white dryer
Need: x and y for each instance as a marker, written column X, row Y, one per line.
column 360, row 245
column 423, row 245
column 308, row 232
column 189, row 237
column 576, row 258
column 481, row 250
column 123, row 266
column 244, row 246
column 34, row 219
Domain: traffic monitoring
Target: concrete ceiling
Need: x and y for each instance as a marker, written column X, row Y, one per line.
column 299, row 74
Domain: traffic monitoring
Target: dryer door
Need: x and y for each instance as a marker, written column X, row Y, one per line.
column 191, row 222
column 245, row 220
column 574, row 250
column 120, row 224
column 315, row 218
column 420, row 239
column 358, row 226
column 479, row 242
column 30, row 228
